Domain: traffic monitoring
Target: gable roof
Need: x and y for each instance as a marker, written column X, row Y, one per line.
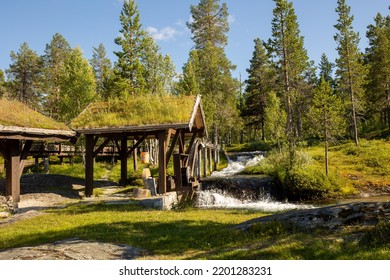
column 142, row 113
column 21, row 122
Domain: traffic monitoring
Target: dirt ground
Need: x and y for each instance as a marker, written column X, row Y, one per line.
column 44, row 191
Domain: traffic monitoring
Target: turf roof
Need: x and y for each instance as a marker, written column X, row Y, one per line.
column 16, row 114
column 136, row 111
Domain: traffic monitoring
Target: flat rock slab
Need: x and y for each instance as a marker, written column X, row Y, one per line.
column 364, row 213
column 73, row 249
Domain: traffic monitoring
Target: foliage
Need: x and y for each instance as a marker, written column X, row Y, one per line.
column 260, row 82
column 14, row 113
column 144, row 110
column 102, row 68
column 275, row 118
column 294, row 70
column 378, row 63
column 25, row 76
column 351, row 73
column 56, row 53
column 77, row 86
column 326, row 115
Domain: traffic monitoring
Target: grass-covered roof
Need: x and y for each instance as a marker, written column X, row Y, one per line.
column 137, row 111
column 16, row 114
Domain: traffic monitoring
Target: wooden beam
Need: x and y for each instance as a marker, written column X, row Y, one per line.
column 89, row 162
column 173, row 144
column 101, row 147
column 24, row 155
column 162, row 163
column 135, row 146
column 191, row 142
column 123, row 158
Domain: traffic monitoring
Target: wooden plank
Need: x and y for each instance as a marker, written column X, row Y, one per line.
column 177, row 165
column 162, row 164
column 135, row 146
column 191, row 142
column 23, row 156
column 89, row 162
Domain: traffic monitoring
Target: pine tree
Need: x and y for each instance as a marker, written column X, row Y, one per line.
column 25, row 76
column 128, row 69
column 56, row 53
column 102, row 67
column 189, row 81
column 260, row 82
column 294, row 68
column 378, row 62
column 2, row 84
column 209, row 26
column 325, row 68
column 326, row 116
column 350, row 71
column 275, row 119
column 77, row 86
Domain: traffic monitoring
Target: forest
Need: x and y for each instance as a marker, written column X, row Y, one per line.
column 288, row 101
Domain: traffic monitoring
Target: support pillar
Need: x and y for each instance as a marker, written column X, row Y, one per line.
column 135, row 160
column 89, row 162
column 162, row 163
column 124, row 157
column 13, row 170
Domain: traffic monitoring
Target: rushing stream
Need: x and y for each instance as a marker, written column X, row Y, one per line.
column 227, row 189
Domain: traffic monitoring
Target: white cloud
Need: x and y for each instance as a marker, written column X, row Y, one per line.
column 164, row 34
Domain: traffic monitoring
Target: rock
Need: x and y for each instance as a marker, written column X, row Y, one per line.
column 365, row 213
column 4, row 215
column 141, row 193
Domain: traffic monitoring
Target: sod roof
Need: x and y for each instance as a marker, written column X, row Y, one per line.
column 137, row 111
column 16, row 114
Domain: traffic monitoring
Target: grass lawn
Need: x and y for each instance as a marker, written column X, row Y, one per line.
column 196, row 234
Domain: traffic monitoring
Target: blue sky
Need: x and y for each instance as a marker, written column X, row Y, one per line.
column 86, row 23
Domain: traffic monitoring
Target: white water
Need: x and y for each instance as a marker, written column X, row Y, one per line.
column 234, row 167
column 218, row 199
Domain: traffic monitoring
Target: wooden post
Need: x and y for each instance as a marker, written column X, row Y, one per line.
column 123, row 180
column 210, row 160
column 177, row 165
column 204, row 155
column 13, row 172
column 89, row 161
column 135, row 160
column 162, row 165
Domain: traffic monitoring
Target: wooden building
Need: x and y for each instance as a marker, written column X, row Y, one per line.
column 20, row 126
column 178, row 123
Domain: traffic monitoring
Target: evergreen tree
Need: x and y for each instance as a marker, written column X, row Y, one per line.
column 189, row 82
column 213, row 74
column 275, row 119
column 350, row 69
column 294, row 69
column 326, row 116
column 260, row 82
column 326, row 71
column 128, row 69
column 2, row 84
column 378, row 61
column 56, row 53
column 102, row 67
column 77, row 86
column 25, row 76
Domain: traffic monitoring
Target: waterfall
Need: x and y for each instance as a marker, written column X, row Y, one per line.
column 227, row 189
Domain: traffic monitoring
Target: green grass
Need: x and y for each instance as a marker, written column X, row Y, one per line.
column 196, row 234
column 364, row 168
column 14, row 113
column 136, row 111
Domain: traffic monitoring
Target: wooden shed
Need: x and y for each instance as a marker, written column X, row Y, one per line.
column 20, row 126
column 127, row 123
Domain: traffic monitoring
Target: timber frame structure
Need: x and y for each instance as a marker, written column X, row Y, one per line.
column 15, row 145
column 180, row 141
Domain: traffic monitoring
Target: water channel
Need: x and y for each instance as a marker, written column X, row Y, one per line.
column 227, row 189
